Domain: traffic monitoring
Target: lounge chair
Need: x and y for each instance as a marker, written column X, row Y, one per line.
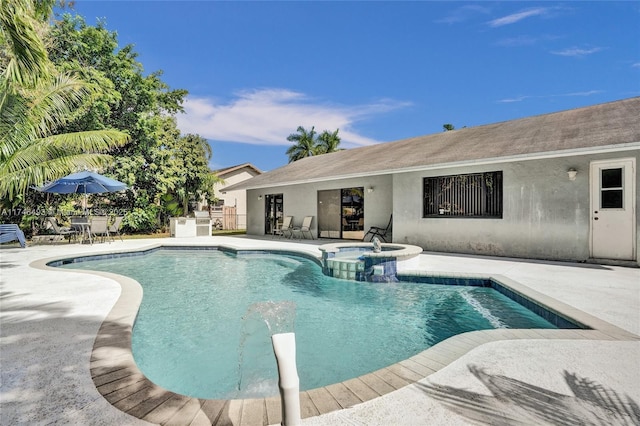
column 286, row 229
column 11, row 232
column 66, row 232
column 304, row 228
column 376, row 231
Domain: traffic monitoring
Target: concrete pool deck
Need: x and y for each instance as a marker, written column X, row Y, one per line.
column 49, row 321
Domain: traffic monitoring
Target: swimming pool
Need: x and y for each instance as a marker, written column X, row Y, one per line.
column 190, row 336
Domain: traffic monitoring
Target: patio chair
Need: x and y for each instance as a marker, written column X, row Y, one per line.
column 304, row 228
column 114, row 227
column 66, row 232
column 286, row 230
column 376, row 231
column 99, row 227
column 11, row 232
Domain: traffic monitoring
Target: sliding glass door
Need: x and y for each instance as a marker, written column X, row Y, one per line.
column 329, row 214
column 352, row 213
column 341, row 213
column 273, row 213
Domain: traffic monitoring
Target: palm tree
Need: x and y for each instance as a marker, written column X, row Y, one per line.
column 328, row 142
column 35, row 100
column 304, row 144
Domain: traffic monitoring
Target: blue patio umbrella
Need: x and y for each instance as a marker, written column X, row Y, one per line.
column 83, row 183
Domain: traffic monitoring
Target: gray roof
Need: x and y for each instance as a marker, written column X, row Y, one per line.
column 227, row 170
column 612, row 125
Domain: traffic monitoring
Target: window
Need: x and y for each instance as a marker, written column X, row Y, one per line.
column 470, row 195
column 611, row 191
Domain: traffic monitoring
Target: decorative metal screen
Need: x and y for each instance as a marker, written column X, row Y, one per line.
column 470, row 195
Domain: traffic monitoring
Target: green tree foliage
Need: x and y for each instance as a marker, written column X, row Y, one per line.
column 304, row 143
column 448, row 127
column 191, row 155
column 307, row 143
column 157, row 163
column 328, row 142
column 37, row 100
column 23, row 55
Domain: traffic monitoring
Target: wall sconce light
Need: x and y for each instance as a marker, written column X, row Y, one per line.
column 370, row 189
column 259, row 197
column 572, row 173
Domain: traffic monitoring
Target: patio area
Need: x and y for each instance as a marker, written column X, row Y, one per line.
column 49, row 321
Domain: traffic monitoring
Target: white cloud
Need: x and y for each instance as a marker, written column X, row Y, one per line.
column 516, row 17
column 516, row 99
column 462, row 14
column 572, row 94
column 268, row 116
column 522, row 40
column 576, row 51
column 636, row 65
column 585, row 93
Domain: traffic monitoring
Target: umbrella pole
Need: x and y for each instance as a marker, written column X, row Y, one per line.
column 86, row 200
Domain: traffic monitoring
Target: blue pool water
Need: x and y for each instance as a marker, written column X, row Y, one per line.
column 190, row 336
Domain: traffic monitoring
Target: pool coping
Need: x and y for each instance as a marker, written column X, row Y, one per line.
column 400, row 250
column 118, row 379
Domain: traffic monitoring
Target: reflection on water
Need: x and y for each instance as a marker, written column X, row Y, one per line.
column 193, row 320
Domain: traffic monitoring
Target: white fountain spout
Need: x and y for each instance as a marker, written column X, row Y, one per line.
column 284, row 347
column 377, row 247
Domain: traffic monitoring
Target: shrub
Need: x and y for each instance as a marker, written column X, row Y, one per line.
column 141, row 219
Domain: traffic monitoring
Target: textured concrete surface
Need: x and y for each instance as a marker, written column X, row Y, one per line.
column 515, row 382
column 49, row 321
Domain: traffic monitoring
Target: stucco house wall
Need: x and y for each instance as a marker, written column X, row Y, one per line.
column 234, row 198
column 238, row 197
column 302, row 200
column 545, row 215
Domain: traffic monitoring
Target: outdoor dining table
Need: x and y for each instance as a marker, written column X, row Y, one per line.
column 83, row 226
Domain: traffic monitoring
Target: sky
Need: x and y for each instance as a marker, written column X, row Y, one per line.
column 378, row 71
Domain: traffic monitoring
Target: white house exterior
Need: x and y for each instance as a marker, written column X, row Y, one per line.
column 236, row 198
column 561, row 186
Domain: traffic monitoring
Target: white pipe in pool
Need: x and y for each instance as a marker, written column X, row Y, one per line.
column 284, row 347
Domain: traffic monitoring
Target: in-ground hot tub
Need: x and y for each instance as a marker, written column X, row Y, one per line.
column 358, row 261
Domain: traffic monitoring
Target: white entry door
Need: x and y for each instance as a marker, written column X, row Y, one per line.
column 613, row 216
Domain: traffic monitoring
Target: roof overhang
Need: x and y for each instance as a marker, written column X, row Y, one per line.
column 480, row 162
